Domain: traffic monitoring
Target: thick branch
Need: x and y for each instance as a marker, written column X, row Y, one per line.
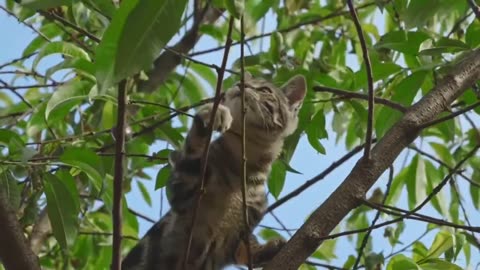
column 14, row 251
column 348, row 196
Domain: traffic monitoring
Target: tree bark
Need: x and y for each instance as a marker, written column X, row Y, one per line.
column 365, row 173
column 15, row 253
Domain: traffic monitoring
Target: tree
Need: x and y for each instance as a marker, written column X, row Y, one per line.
column 386, row 78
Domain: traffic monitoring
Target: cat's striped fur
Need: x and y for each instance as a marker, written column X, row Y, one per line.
column 219, row 234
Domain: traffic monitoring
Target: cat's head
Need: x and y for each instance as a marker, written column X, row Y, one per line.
column 272, row 111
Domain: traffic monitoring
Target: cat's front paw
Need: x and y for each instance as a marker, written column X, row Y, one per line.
column 223, row 117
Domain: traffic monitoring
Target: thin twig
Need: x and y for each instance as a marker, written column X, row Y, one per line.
column 140, row 215
column 368, row 67
column 25, row 23
column 55, row 17
column 191, row 59
column 315, row 179
column 14, row 88
column 6, row 86
column 107, row 234
column 244, row 154
column 474, row 8
column 432, row 157
column 458, row 23
column 23, row 57
column 444, row 181
column 119, row 175
column 334, row 14
column 349, row 94
column 374, row 221
column 216, row 102
column 450, row 116
column 408, row 246
column 391, row 210
column 160, row 105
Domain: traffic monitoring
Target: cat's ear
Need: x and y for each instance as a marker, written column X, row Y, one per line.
column 248, row 76
column 295, row 90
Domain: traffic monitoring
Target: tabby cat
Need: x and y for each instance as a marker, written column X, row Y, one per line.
column 219, row 235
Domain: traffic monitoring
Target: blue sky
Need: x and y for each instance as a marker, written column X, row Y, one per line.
column 306, row 159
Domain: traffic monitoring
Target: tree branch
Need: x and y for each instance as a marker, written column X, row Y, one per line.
column 118, row 177
column 348, row 94
column 474, row 8
column 216, row 102
column 368, row 68
column 348, row 196
column 14, row 251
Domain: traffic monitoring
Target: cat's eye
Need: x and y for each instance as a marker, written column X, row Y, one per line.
column 264, row 89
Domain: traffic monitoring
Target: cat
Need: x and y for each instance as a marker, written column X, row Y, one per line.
column 219, row 234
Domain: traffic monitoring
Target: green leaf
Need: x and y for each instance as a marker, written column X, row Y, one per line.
column 401, row 262
column 326, row 251
column 411, row 182
column 65, row 48
column 50, row 30
column 374, row 260
column 404, row 93
column 380, row 71
column 62, row 208
column 269, row 234
column 276, row 46
column 316, row 131
column 419, row 12
column 401, row 41
column 80, row 65
column 235, row 7
column 162, row 177
column 474, row 190
column 88, row 162
column 419, row 251
column 12, row 140
column 107, row 7
column 276, row 180
column 65, row 97
column 106, row 51
column 259, row 8
column 435, row 264
column 205, row 73
column 472, row 36
column 144, row 192
column 443, row 241
column 445, row 45
column 434, row 177
column 44, row 4
column 443, row 153
column 11, row 189
column 136, row 29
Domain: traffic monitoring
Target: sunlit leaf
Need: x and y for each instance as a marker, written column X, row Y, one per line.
column 65, row 97
column 132, row 41
column 64, row 48
column 401, row 262
column 87, row 161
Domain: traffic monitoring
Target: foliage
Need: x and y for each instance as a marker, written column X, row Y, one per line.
column 58, row 115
